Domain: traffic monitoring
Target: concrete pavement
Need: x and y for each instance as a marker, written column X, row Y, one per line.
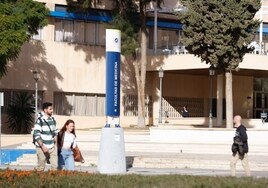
column 151, row 158
column 160, row 171
column 11, row 140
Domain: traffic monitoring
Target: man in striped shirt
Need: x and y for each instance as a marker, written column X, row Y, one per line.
column 45, row 137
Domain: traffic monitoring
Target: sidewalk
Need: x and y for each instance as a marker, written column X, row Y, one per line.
column 150, row 158
column 160, row 171
column 12, row 140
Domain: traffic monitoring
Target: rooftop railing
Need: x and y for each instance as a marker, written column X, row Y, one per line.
column 181, row 49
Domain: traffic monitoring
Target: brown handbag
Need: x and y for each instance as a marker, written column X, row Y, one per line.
column 77, row 155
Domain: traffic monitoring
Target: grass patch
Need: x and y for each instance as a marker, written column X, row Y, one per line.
column 65, row 179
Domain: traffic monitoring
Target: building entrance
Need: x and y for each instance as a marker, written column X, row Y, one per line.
column 260, row 97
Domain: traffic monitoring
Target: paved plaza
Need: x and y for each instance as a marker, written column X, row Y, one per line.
column 148, row 157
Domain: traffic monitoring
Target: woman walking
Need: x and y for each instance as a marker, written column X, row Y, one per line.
column 66, row 143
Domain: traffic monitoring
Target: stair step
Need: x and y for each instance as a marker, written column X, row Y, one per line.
column 165, row 148
column 179, row 161
column 143, row 153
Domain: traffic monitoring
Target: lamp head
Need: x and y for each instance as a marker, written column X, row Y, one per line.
column 36, row 75
column 211, row 70
column 161, row 73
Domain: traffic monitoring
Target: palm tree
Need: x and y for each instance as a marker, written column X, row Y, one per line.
column 21, row 113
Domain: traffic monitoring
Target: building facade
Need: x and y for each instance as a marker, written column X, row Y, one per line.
column 70, row 55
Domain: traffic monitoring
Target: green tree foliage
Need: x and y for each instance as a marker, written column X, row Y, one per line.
column 81, row 6
column 129, row 16
column 20, row 113
column 126, row 19
column 19, row 19
column 219, row 31
column 128, row 9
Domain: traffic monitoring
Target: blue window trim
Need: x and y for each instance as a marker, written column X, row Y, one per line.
column 107, row 18
column 178, row 26
column 74, row 16
column 264, row 30
column 168, row 25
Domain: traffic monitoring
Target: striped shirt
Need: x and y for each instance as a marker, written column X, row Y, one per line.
column 42, row 131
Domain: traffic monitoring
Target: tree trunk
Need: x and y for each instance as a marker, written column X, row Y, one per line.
column 141, row 117
column 141, row 72
column 229, row 99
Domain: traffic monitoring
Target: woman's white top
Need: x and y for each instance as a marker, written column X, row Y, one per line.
column 69, row 139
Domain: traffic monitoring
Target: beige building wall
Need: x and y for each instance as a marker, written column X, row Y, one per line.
column 182, row 85
column 64, row 67
column 243, row 95
column 73, row 68
column 70, row 67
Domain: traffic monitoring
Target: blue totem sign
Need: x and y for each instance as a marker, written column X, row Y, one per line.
column 113, row 50
column 112, row 157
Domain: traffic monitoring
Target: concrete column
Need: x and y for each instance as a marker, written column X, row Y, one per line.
column 155, row 97
column 112, row 156
column 219, row 99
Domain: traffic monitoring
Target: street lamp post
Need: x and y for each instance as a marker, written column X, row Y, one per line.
column 160, row 75
column 36, row 75
column 211, row 74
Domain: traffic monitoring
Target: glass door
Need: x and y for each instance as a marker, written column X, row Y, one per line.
column 260, row 103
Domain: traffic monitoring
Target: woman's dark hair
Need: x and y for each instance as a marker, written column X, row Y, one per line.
column 63, row 129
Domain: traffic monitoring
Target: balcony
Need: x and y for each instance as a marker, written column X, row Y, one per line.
column 253, row 64
column 169, row 50
column 181, row 49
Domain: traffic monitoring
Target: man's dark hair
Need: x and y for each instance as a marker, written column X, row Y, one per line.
column 46, row 105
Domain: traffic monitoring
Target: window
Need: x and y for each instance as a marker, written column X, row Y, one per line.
column 79, row 104
column 81, row 32
column 260, row 84
column 68, row 31
column 130, row 103
column 101, row 34
column 257, row 84
column 260, row 96
column 39, row 35
column 64, row 31
column 90, row 33
column 166, row 39
column 61, row 8
column 173, row 106
column 58, row 30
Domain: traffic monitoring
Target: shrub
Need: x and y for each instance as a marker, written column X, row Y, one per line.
column 21, row 113
column 64, row 179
